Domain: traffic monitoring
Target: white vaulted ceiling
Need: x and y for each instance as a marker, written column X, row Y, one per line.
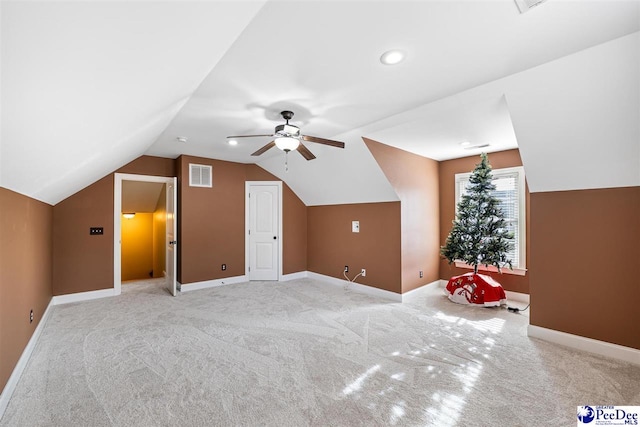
column 89, row 86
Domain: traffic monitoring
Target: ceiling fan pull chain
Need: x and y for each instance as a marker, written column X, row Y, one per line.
column 286, row 161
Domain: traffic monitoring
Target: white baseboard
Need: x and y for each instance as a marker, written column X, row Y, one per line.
column 82, row 296
column 602, row 348
column 294, row 276
column 9, row 388
column 357, row 287
column 434, row 284
column 188, row 287
column 517, row 297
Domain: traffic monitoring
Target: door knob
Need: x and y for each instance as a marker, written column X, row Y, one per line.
column 274, row 237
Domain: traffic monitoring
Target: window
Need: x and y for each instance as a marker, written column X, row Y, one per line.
column 510, row 191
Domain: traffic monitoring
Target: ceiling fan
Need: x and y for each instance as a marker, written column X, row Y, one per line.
column 288, row 137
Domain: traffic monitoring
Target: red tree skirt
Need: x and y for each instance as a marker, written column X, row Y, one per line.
column 475, row 289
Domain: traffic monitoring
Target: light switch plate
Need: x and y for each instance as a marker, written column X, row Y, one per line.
column 355, row 226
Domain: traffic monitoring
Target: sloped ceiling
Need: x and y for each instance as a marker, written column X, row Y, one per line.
column 87, row 87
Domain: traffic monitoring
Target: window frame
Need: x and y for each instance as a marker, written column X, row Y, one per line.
column 521, row 268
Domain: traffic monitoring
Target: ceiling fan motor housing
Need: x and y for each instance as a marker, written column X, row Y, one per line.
column 288, row 130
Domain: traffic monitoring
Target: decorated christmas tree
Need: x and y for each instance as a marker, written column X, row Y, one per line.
column 479, row 235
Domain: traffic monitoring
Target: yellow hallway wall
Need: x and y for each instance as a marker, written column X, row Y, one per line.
column 137, row 246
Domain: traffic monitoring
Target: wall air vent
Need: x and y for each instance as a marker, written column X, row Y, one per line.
column 200, row 175
column 526, row 5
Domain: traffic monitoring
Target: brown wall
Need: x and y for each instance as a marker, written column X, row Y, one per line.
column 415, row 180
column 83, row 262
column 25, row 273
column 584, row 256
column 448, row 170
column 212, row 222
column 150, row 165
column 137, row 247
column 332, row 245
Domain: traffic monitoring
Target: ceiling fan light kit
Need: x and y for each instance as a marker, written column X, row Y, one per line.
column 287, row 143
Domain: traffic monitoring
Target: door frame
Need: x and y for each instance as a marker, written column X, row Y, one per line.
column 117, row 226
column 247, row 221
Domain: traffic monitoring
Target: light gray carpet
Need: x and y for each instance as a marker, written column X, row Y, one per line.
column 302, row 353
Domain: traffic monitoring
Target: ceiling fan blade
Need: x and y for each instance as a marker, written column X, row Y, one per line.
column 323, row 141
column 247, row 136
column 305, row 152
column 265, row 148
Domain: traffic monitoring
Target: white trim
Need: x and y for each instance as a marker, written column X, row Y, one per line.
column 357, row 287
column 517, row 296
column 10, row 387
column 247, row 256
column 187, row 287
column 491, row 268
column 602, row 348
column 294, row 276
column 117, row 209
column 434, row 284
column 82, row 296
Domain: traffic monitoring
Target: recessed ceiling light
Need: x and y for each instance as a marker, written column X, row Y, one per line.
column 465, row 143
column 182, row 139
column 392, row 57
column 475, row 147
column 233, row 142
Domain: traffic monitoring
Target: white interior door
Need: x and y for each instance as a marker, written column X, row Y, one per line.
column 263, row 232
column 172, row 240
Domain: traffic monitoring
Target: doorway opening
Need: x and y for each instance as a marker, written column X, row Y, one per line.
column 144, row 230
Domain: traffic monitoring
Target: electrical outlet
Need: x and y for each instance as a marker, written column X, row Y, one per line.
column 346, row 268
column 224, row 267
column 31, row 316
column 363, row 272
column 421, row 274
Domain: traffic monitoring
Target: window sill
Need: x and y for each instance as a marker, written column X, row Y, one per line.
column 492, row 269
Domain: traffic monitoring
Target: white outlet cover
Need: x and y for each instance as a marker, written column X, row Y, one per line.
column 355, row 226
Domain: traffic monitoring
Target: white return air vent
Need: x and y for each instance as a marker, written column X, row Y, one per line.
column 200, row 175
column 526, row 5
